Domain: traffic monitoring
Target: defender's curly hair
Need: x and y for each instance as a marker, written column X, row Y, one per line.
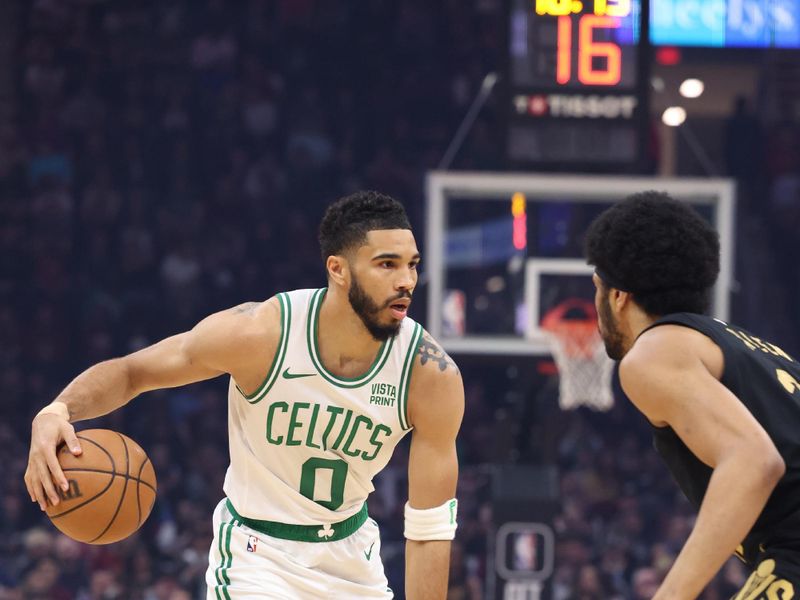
column 659, row 249
column 348, row 220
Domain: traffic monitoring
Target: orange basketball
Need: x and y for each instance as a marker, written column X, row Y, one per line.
column 112, row 487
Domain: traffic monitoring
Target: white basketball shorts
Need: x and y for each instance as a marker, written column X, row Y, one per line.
column 246, row 564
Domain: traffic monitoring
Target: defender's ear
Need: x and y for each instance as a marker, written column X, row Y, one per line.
column 619, row 299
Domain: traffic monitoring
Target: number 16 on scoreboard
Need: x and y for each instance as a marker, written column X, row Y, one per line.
column 588, row 50
column 599, row 62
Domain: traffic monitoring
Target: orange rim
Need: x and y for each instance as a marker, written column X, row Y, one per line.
column 578, row 337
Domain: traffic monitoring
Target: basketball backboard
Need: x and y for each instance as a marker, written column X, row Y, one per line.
column 504, row 248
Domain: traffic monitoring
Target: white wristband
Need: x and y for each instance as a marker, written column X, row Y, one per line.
column 56, row 408
column 437, row 523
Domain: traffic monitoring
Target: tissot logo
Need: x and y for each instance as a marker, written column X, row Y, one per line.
column 579, row 106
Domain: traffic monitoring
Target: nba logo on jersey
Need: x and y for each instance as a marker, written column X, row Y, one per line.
column 251, row 543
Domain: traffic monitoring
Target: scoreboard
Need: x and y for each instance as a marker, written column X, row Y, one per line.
column 573, row 89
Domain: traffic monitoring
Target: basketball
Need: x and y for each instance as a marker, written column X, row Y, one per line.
column 112, row 487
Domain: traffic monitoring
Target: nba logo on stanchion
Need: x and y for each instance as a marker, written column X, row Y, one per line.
column 252, row 541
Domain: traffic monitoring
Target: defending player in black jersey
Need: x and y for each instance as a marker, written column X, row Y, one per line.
column 724, row 404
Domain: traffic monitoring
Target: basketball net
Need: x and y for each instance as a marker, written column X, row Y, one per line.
column 584, row 369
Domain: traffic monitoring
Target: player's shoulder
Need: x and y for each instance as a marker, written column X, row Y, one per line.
column 432, row 363
column 267, row 321
column 669, row 342
column 248, row 336
column 246, row 324
column 264, row 312
column 436, row 392
column 667, row 346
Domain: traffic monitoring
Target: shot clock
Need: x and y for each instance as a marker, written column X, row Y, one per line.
column 572, row 87
column 596, row 62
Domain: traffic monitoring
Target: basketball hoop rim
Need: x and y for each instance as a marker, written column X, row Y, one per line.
column 577, row 337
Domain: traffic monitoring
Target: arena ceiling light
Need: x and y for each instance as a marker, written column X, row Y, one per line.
column 691, row 88
column 674, row 116
column 495, row 284
column 657, row 83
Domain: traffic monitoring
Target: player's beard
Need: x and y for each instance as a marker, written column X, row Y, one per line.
column 368, row 311
column 612, row 337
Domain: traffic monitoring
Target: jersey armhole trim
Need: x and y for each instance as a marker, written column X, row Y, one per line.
column 405, row 377
column 280, row 353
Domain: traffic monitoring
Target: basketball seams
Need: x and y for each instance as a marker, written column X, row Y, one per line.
column 138, row 496
column 100, row 478
column 106, row 452
column 93, row 498
column 124, row 489
column 113, row 473
column 144, row 483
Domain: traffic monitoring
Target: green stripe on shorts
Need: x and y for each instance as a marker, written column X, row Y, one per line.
column 226, row 559
column 221, row 555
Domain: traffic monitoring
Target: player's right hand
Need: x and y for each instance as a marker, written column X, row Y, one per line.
column 47, row 432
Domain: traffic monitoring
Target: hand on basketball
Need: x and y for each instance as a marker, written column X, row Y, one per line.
column 47, row 432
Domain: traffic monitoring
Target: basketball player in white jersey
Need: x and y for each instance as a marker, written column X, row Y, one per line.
column 323, row 385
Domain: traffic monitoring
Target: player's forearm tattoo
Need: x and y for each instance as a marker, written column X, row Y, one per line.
column 246, row 307
column 430, row 350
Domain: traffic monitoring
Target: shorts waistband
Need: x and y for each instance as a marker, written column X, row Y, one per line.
column 331, row 532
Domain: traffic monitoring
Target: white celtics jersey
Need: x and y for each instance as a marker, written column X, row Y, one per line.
column 305, row 446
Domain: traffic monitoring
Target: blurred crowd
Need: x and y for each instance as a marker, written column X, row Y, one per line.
column 620, row 523
column 163, row 159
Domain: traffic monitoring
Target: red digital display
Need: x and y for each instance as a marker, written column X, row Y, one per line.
column 609, row 73
column 574, row 44
column 574, row 96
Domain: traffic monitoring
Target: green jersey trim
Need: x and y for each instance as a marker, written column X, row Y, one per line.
column 405, row 377
column 280, row 354
column 312, row 332
column 332, row 532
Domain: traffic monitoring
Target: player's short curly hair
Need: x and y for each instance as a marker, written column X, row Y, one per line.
column 348, row 220
column 660, row 250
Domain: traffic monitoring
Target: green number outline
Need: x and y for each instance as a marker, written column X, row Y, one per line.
column 308, row 477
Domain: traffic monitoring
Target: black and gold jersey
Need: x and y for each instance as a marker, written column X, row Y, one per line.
column 767, row 381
